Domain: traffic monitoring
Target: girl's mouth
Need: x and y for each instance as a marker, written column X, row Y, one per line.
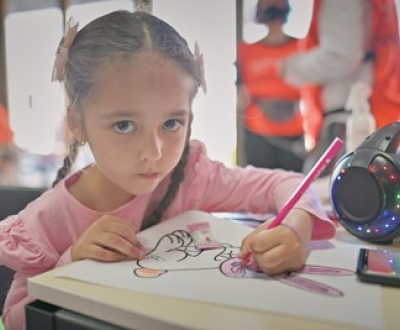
column 150, row 175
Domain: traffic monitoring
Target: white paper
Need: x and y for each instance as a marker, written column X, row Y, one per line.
column 175, row 268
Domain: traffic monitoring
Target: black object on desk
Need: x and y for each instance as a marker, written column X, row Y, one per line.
column 379, row 266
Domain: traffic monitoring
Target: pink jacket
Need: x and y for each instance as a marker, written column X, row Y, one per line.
column 40, row 236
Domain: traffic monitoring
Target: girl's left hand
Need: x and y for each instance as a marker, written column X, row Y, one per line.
column 283, row 248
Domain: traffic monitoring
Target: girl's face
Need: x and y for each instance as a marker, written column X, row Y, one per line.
column 137, row 121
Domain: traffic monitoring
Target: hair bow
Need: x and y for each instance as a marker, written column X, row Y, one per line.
column 199, row 58
column 63, row 50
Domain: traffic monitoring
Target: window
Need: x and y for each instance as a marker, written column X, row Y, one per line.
column 33, row 100
column 35, row 104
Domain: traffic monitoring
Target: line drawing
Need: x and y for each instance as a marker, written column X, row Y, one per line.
column 176, row 251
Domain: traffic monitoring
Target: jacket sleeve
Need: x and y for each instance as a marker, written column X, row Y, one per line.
column 341, row 45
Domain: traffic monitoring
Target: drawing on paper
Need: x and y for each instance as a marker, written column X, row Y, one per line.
column 177, row 251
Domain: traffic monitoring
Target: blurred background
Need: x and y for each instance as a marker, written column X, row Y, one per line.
column 29, row 36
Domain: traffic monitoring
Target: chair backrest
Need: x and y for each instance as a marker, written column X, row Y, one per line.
column 12, row 200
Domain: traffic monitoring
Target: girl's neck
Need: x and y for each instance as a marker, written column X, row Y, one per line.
column 97, row 193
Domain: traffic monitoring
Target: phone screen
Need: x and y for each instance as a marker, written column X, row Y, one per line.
column 379, row 266
column 384, row 262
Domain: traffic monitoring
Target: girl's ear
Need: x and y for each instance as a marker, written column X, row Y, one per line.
column 75, row 125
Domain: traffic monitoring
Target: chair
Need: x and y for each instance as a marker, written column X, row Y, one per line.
column 12, row 200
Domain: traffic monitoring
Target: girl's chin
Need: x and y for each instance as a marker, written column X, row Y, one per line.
column 142, row 189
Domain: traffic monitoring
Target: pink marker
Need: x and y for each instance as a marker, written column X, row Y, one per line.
column 321, row 164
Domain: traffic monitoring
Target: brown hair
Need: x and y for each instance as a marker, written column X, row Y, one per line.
column 116, row 37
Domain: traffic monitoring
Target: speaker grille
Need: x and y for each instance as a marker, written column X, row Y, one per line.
column 358, row 196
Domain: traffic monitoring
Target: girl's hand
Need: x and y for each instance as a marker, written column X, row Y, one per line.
column 283, row 248
column 109, row 238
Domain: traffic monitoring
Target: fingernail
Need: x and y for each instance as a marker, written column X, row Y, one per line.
column 142, row 254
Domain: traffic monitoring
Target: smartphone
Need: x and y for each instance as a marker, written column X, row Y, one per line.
column 379, row 266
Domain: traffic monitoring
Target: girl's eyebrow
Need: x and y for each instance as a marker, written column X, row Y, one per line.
column 181, row 112
column 119, row 114
column 129, row 114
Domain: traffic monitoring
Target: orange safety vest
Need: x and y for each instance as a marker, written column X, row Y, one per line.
column 256, row 64
column 385, row 45
column 6, row 133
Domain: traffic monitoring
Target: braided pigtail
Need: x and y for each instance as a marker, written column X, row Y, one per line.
column 69, row 160
column 176, row 178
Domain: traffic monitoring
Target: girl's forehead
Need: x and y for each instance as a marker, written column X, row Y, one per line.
column 145, row 61
column 142, row 82
column 143, row 68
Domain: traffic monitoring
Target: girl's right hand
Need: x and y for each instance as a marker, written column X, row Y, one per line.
column 109, row 238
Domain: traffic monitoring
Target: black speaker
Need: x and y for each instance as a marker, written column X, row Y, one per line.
column 365, row 187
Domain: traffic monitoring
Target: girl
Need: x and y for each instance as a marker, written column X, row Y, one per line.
column 130, row 80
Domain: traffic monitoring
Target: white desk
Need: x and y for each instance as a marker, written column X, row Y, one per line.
column 132, row 310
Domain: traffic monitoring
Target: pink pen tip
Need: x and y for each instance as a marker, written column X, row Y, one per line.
column 245, row 260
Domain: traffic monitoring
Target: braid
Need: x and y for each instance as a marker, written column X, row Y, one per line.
column 69, row 160
column 176, row 178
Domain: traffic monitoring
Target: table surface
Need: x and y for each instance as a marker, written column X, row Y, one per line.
column 137, row 310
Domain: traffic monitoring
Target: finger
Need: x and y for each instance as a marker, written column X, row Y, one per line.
column 113, row 241
column 101, row 253
column 244, row 248
column 110, row 223
column 248, row 240
column 278, row 260
column 266, row 240
column 270, row 259
column 124, row 230
column 119, row 226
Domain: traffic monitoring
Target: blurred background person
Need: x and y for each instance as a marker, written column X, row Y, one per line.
column 9, row 175
column 8, row 151
column 6, row 133
column 268, row 106
column 347, row 42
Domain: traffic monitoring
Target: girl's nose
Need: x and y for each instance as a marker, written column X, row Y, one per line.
column 151, row 148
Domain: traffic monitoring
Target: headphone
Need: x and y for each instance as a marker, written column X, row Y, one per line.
column 365, row 187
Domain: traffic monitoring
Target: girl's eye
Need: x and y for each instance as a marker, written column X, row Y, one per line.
column 172, row 125
column 124, row 126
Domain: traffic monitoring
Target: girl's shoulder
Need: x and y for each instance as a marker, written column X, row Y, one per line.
column 197, row 148
column 198, row 154
column 200, row 166
column 54, row 204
